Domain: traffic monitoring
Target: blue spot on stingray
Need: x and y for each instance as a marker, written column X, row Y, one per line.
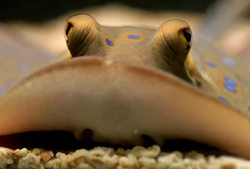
column 229, row 87
column 109, row 42
column 230, row 81
column 2, row 90
column 133, row 37
column 224, row 100
column 210, row 64
column 228, row 61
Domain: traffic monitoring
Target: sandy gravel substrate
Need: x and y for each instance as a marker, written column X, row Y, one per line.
column 108, row 158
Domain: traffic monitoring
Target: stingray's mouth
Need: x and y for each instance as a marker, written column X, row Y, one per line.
column 61, row 141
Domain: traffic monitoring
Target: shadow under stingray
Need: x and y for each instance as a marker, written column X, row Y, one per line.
column 65, row 142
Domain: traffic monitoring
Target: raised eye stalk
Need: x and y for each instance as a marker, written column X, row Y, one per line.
column 172, row 42
column 80, row 31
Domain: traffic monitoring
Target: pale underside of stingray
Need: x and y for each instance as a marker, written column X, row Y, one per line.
column 121, row 101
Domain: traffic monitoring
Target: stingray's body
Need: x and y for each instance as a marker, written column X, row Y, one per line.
column 128, row 82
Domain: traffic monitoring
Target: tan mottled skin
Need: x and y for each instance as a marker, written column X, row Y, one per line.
column 128, row 89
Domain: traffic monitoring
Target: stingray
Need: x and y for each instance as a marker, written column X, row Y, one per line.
column 121, row 83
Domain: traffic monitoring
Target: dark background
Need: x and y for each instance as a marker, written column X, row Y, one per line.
column 41, row 10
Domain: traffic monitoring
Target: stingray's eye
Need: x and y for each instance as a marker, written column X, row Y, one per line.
column 187, row 34
column 68, row 29
column 81, row 31
column 186, row 37
column 174, row 37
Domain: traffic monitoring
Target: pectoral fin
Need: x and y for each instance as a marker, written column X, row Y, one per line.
column 119, row 103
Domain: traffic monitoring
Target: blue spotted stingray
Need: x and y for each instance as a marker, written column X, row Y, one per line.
column 125, row 82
